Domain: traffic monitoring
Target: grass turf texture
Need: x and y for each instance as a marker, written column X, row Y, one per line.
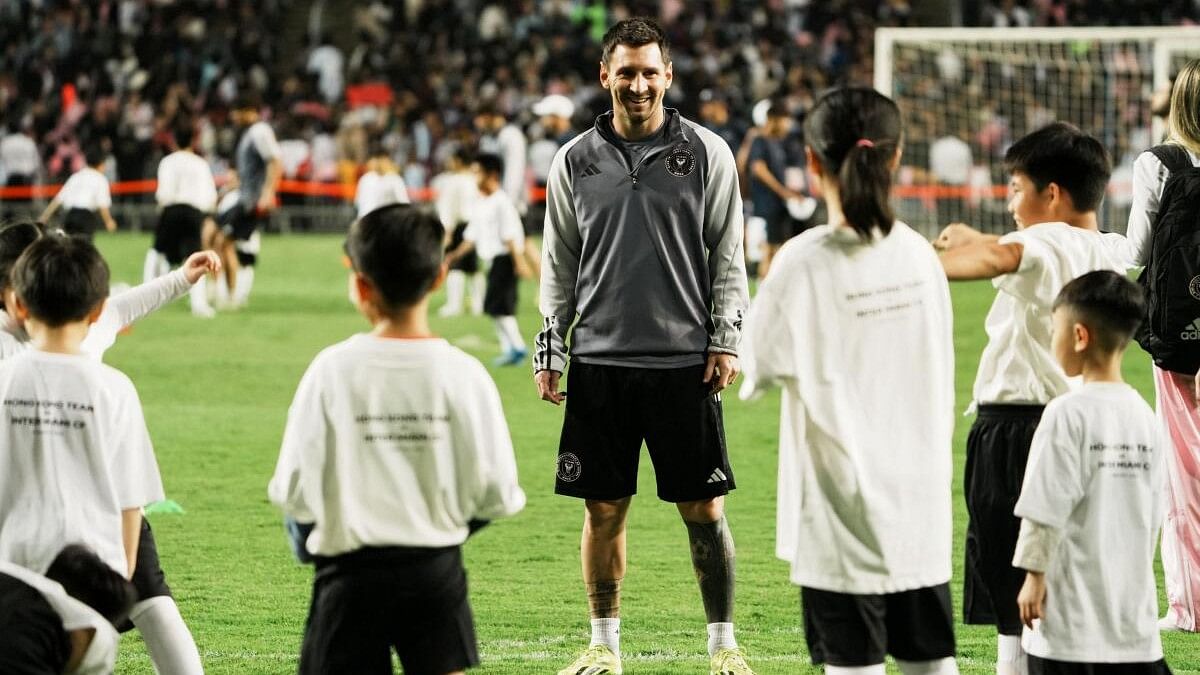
column 216, row 394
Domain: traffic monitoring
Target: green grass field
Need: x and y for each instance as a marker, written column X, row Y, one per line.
column 216, row 395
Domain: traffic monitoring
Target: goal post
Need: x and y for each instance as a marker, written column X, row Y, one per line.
column 968, row 93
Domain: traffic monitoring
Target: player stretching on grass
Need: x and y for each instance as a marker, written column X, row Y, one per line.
column 864, row 500
column 643, row 241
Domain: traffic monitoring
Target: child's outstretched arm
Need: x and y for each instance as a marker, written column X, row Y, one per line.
column 984, row 259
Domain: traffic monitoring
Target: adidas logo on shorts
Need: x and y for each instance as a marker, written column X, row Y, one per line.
column 717, row 476
column 1192, row 331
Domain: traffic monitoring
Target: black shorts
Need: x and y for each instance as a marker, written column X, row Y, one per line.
column 32, row 638
column 1040, row 666
column 148, row 577
column 612, row 409
column 997, row 450
column 178, row 233
column 366, row 603
column 780, row 227
column 848, row 630
column 82, row 223
column 500, row 299
column 469, row 263
column 241, row 223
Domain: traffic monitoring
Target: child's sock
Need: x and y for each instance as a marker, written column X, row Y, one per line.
column 720, row 636
column 172, row 649
column 198, row 297
column 1010, row 657
column 506, row 345
column 607, row 632
column 150, row 266
column 478, row 289
column 945, row 666
column 222, row 291
column 245, row 282
column 456, row 284
column 855, row 670
column 508, row 325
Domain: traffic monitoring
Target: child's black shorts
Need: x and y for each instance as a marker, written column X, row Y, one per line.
column 1040, row 666
column 370, row 601
column 32, row 638
column 848, row 630
column 612, row 409
column 82, row 223
column 469, row 263
column 501, row 296
column 178, row 233
column 997, row 450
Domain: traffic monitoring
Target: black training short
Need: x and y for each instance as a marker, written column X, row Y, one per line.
column 780, row 227
column 370, row 601
column 848, row 630
column 149, row 580
column 1040, row 666
column 612, row 409
column 500, row 299
column 32, row 638
column 469, row 263
column 240, row 222
column 82, row 223
column 997, row 450
column 178, row 233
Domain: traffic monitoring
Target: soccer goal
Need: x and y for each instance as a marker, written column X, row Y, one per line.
column 968, row 93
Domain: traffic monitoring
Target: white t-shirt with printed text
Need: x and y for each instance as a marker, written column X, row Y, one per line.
column 394, row 442
column 859, row 337
column 1017, row 365
column 1097, row 474
column 74, row 453
column 493, row 225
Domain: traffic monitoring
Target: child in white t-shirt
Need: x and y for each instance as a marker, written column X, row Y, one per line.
column 457, row 191
column 396, row 448
column 85, row 198
column 495, row 232
column 1092, row 501
column 381, row 184
column 1058, row 178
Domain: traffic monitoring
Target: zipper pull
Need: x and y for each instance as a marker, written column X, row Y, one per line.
column 634, row 177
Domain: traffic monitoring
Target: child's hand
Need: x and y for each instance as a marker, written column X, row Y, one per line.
column 954, row 236
column 200, row 263
column 1032, row 598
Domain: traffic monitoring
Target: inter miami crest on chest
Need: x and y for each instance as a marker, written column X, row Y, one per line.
column 681, row 162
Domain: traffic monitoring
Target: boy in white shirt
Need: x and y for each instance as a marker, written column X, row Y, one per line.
column 496, row 233
column 381, row 185
column 1058, row 178
column 187, row 195
column 457, row 191
column 85, row 197
column 396, row 448
column 1093, row 501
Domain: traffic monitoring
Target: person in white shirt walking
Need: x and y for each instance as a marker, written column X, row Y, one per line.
column 85, row 198
column 457, row 193
column 1058, row 178
column 395, row 450
column 1092, row 500
column 187, row 195
column 864, row 514
column 381, row 185
column 496, row 233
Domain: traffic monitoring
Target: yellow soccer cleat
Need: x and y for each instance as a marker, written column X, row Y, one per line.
column 596, row 660
column 729, row 662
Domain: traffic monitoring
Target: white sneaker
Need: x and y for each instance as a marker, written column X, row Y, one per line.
column 204, row 312
column 448, row 310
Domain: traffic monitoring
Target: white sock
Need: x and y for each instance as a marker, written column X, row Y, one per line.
column 508, row 324
column 502, row 335
column 222, row 290
column 150, row 266
column 720, row 635
column 168, row 640
column 198, row 297
column 164, row 265
column 245, row 282
column 945, row 666
column 855, row 670
column 478, row 289
column 456, row 284
column 607, row 632
column 1010, row 657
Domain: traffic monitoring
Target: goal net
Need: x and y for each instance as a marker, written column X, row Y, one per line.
column 967, row 94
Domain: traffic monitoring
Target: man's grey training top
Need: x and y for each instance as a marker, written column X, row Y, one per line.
column 648, row 255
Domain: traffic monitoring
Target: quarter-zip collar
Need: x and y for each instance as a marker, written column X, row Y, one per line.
column 672, row 138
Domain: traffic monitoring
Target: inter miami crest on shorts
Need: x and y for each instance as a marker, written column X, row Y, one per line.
column 569, row 467
column 681, row 162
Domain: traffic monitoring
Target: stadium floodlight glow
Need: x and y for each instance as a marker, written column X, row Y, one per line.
column 968, row 93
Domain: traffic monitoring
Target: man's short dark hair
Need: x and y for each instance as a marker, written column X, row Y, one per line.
column 1061, row 153
column 60, row 279
column 635, row 32
column 1108, row 303
column 492, row 165
column 14, row 239
column 399, row 249
column 90, row 580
